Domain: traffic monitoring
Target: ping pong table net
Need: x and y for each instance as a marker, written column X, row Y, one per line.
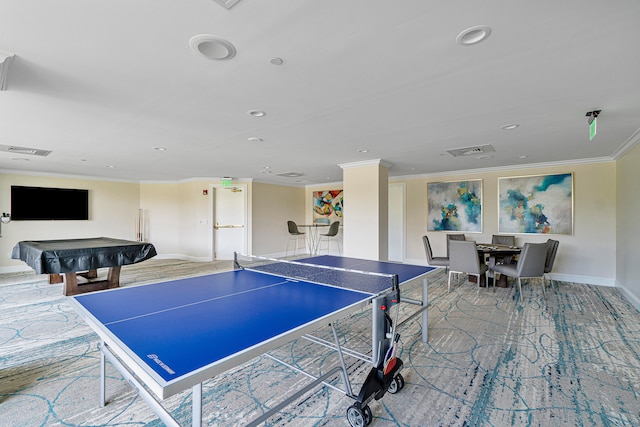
column 365, row 281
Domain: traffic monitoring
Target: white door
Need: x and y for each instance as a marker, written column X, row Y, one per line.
column 229, row 221
column 396, row 222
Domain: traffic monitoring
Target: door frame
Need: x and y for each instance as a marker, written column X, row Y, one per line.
column 212, row 215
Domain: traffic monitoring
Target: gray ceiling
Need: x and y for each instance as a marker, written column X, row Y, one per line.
column 103, row 83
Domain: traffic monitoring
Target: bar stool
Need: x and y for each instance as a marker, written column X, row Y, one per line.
column 330, row 235
column 295, row 235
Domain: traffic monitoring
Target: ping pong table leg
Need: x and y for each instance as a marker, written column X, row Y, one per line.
column 155, row 406
column 345, row 373
column 425, row 313
column 103, row 375
column 378, row 330
column 196, row 402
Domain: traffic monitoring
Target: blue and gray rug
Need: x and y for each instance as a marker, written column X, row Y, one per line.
column 570, row 360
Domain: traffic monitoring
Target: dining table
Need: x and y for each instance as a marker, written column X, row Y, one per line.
column 313, row 236
column 493, row 252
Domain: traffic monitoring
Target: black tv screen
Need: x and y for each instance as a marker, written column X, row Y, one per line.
column 42, row 203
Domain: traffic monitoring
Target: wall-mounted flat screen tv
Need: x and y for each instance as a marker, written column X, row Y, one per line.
column 43, row 203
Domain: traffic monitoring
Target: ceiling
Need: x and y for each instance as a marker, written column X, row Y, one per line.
column 103, row 85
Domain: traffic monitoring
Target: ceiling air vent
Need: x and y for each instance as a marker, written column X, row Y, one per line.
column 24, row 150
column 290, row 174
column 471, row 151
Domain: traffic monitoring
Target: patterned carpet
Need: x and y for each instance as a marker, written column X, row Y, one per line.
column 572, row 360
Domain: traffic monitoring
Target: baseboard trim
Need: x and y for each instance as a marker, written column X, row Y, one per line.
column 632, row 298
column 587, row 280
column 182, row 257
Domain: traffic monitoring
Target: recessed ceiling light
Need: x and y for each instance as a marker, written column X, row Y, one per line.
column 159, row 148
column 484, row 156
column 256, row 113
column 212, row 47
column 524, row 156
column 510, row 126
column 473, row 35
column 363, row 150
column 254, row 139
column 110, row 166
column 276, row 61
column 291, row 174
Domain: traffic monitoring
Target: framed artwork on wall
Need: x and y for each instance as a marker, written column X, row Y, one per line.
column 327, row 206
column 455, row 206
column 537, row 204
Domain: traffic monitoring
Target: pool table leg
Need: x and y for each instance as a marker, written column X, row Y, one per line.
column 71, row 286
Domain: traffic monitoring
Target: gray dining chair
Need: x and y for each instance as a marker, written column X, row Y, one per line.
column 463, row 259
column 294, row 235
column 451, row 237
column 552, row 249
column 503, row 239
column 438, row 261
column 331, row 235
column 530, row 265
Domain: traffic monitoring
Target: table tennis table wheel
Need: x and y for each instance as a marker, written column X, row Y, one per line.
column 397, row 383
column 359, row 417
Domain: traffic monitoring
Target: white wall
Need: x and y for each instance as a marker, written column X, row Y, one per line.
column 113, row 209
column 179, row 218
column 589, row 256
column 273, row 206
column 334, row 249
column 603, row 244
column 196, row 216
column 162, row 207
column 628, row 224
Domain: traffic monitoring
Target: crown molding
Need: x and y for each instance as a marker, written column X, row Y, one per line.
column 506, row 168
column 374, row 162
column 628, row 145
column 68, row 176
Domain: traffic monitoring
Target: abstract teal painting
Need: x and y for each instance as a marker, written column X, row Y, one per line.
column 455, row 206
column 541, row 204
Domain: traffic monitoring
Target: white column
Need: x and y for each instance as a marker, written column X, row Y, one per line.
column 366, row 214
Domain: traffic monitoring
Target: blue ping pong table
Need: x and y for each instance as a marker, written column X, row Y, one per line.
column 170, row 336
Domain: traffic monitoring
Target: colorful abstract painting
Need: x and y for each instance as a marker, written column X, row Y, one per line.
column 455, row 206
column 327, row 206
column 541, row 204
